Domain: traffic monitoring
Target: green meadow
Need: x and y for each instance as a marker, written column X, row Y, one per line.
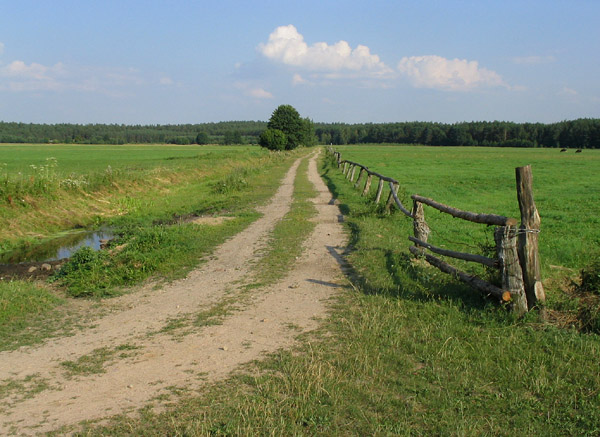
column 407, row 350
column 566, row 189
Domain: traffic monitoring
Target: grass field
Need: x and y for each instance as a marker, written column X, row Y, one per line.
column 566, row 190
column 407, row 351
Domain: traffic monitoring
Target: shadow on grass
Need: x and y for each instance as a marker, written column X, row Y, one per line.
column 403, row 276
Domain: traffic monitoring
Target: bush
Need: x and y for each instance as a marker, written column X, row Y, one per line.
column 86, row 263
column 273, row 139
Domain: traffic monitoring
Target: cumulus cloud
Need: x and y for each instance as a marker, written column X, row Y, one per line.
column 533, row 60
column 251, row 90
column 287, row 45
column 447, row 74
column 18, row 76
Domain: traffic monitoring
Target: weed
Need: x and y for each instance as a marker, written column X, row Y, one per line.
column 234, row 182
column 95, row 361
column 590, row 276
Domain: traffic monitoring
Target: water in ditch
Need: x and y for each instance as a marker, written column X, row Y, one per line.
column 57, row 248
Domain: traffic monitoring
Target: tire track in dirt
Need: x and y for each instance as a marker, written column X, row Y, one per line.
column 261, row 325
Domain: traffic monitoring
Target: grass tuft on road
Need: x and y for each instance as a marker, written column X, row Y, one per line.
column 286, row 243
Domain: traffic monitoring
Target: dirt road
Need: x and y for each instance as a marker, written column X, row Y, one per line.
column 146, row 344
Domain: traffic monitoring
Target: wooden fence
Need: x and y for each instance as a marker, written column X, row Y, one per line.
column 517, row 256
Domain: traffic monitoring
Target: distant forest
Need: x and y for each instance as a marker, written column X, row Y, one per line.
column 581, row 133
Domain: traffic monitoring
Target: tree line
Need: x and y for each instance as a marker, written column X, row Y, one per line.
column 227, row 132
column 580, row 133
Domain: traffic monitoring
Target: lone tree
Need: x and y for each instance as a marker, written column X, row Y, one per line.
column 287, row 121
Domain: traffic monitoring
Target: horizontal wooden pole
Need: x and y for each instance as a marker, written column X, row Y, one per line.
column 380, row 176
column 475, row 282
column 458, row 255
column 487, row 219
column 398, row 203
column 357, row 164
column 384, row 178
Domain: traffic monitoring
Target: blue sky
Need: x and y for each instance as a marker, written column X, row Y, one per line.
column 169, row 62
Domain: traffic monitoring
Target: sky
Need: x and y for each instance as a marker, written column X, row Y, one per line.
column 174, row 62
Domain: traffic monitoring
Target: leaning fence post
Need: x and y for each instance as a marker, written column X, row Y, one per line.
column 510, row 269
column 360, row 174
column 352, row 173
column 379, row 190
column 345, row 167
column 528, row 238
column 367, row 185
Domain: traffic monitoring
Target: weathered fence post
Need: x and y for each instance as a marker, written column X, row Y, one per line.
column 510, row 268
column 528, row 238
column 367, row 185
column 420, row 228
column 345, row 167
column 390, row 201
column 360, row 174
column 353, row 172
column 379, row 191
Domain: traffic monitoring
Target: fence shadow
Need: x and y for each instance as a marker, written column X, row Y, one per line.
column 410, row 278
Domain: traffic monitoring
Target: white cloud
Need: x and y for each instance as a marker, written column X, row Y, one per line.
column 259, row 93
column 569, row 92
column 165, row 81
column 287, row 45
column 298, row 80
column 447, row 74
column 533, row 60
column 253, row 91
column 18, row 76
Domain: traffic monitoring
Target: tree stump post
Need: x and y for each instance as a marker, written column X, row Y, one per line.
column 367, row 185
column 420, row 228
column 379, row 191
column 528, row 238
column 510, row 268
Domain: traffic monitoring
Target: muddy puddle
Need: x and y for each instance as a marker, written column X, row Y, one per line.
column 57, row 248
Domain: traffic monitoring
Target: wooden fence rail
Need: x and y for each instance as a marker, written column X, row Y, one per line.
column 516, row 248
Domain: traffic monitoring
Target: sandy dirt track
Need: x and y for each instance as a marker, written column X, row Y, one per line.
column 149, row 360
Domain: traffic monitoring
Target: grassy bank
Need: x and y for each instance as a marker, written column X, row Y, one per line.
column 151, row 210
column 407, row 351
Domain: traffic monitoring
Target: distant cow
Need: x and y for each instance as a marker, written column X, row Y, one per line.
column 578, row 151
column 563, row 150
